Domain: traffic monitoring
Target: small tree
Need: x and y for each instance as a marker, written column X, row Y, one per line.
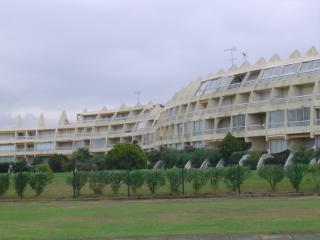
column 302, row 155
column 37, row 160
column 77, row 180
column 155, row 179
column 4, row 183
column 229, row 145
column 97, row 181
column 83, row 159
column 169, row 157
column 214, row 176
column 197, row 157
column 234, row 176
column 21, row 180
column 295, row 173
column 273, row 174
column 126, row 156
column 174, row 179
column 39, row 180
column 58, row 162
column 114, row 178
column 315, row 176
column 213, row 156
column 197, row 178
column 136, row 180
column 99, row 161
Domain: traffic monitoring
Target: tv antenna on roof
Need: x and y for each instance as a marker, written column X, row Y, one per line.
column 137, row 93
column 231, row 50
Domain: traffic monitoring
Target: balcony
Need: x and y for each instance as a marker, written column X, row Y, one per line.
column 276, row 125
column 255, row 127
column 299, row 123
column 234, row 85
column 223, row 130
column 248, row 83
column 64, row 148
column 279, row 100
column 300, row 98
column 238, row 128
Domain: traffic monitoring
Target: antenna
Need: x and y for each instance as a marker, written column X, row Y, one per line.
column 231, row 50
column 137, row 93
column 244, row 55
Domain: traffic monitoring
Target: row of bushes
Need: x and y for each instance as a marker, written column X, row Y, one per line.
column 232, row 176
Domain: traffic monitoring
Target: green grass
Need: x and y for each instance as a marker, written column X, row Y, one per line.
column 99, row 219
column 58, row 189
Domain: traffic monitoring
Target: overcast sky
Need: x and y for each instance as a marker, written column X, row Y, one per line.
column 76, row 54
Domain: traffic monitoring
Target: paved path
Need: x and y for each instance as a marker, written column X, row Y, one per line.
column 309, row 236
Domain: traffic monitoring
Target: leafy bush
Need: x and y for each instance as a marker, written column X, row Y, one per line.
column 197, row 157
column 4, row 183
column 315, row 176
column 253, row 159
column 182, row 158
column 136, row 180
column 114, row 178
column 155, row 179
column 273, row 174
column 302, row 154
column 278, row 158
column 295, row 173
column 99, row 162
column 126, row 156
column 42, row 167
column 97, row 181
column 37, row 160
column 234, row 176
column 213, row 156
column 229, row 145
column 21, row 166
column 174, row 179
column 82, row 160
column 58, row 163
column 197, row 178
column 77, row 180
column 236, row 156
column 214, row 176
column 39, row 180
column 21, row 181
column 153, row 157
column 169, row 157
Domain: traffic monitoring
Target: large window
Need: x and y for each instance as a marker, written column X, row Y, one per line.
column 45, row 146
column 278, row 145
column 317, row 141
column 238, row 122
column 276, row 119
column 289, row 69
column 97, row 143
column 140, row 125
column 310, row 66
column 211, row 86
column 7, row 148
column 197, row 144
column 179, row 129
column 197, row 127
column 271, row 72
column 7, row 159
column 298, row 117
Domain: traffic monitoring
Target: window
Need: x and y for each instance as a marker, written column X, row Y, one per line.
column 278, row 145
column 197, row 127
column 45, row 146
column 310, row 66
column 140, row 125
column 7, row 159
column 271, row 72
column 211, row 86
column 289, row 69
column 276, row 119
column 317, row 141
column 253, row 76
column 238, row 122
column 7, row 148
column 179, row 129
column 77, row 144
column 98, row 142
column 179, row 146
column 197, row 144
column 298, row 117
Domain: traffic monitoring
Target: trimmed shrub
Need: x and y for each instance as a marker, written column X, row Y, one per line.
column 21, row 181
column 315, row 176
column 214, row 176
column 273, row 174
column 236, row 156
column 77, row 181
column 37, row 160
column 21, row 166
column 213, row 156
column 229, row 145
column 174, row 179
column 97, row 181
column 169, row 157
column 295, row 173
column 39, row 180
column 114, row 178
column 182, row 158
column 197, row 178
column 81, row 159
column 197, row 157
column 136, row 180
column 153, row 157
column 4, row 183
column 155, row 179
column 99, row 162
column 234, row 176
column 43, row 167
column 302, row 155
column 58, row 163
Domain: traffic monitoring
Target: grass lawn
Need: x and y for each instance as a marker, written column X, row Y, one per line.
column 58, row 189
column 98, row 219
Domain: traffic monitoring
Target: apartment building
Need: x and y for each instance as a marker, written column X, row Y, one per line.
column 271, row 104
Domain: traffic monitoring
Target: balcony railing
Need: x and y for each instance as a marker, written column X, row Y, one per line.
column 299, row 123
column 223, row 130
column 276, row 125
column 238, row 128
column 234, row 85
column 256, row 127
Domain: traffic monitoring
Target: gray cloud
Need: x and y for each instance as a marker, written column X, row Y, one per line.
column 72, row 54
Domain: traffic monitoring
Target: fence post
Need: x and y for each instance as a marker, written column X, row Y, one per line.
column 238, row 178
column 128, row 183
column 182, row 179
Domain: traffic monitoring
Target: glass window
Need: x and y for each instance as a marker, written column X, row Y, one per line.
column 7, row 148
column 278, row 145
column 310, row 66
column 140, row 125
column 238, row 121
column 179, row 129
column 289, row 69
column 197, row 144
column 211, row 86
column 299, row 116
column 253, row 76
column 7, row 159
column 276, row 119
column 179, row 146
column 317, row 141
column 45, row 146
column 271, row 72
column 98, row 142
column 197, row 126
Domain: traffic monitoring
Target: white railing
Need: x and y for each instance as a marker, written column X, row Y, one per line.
column 234, row 85
column 238, row 128
column 299, row 123
column 256, row 127
column 276, row 125
column 223, row 130
column 301, row 98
